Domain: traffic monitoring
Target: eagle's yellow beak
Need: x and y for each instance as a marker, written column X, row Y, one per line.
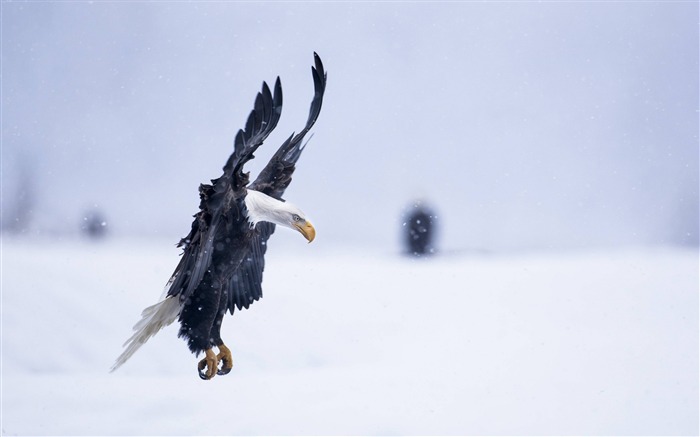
column 307, row 230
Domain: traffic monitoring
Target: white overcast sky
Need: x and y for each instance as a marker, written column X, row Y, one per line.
column 526, row 125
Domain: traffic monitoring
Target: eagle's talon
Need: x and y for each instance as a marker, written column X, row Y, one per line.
column 225, row 359
column 210, row 363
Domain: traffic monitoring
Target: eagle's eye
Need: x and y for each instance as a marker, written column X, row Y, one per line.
column 296, row 218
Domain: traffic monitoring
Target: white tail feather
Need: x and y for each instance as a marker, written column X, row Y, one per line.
column 153, row 319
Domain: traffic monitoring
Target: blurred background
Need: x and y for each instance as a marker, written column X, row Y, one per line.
column 547, row 152
column 526, row 126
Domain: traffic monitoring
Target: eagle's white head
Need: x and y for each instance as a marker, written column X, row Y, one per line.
column 263, row 208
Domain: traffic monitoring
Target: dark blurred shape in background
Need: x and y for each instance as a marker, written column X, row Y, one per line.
column 19, row 205
column 419, row 229
column 94, row 224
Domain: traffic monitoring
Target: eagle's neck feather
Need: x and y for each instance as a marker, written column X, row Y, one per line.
column 263, row 208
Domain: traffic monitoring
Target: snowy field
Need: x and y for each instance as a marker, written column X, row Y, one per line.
column 358, row 342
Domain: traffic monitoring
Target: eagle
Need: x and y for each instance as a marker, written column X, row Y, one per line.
column 222, row 262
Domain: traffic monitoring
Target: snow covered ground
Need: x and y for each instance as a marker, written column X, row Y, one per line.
column 358, row 342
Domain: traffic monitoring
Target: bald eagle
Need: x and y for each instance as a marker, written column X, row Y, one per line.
column 223, row 259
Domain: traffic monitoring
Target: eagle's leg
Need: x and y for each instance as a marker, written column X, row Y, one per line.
column 200, row 320
column 225, row 358
column 224, row 355
column 210, row 363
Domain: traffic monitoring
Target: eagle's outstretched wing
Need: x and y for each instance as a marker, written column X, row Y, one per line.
column 246, row 282
column 223, row 200
column 277, row 174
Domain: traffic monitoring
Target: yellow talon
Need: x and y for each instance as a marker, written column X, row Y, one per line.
column 210, row 362
column 225, row 358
